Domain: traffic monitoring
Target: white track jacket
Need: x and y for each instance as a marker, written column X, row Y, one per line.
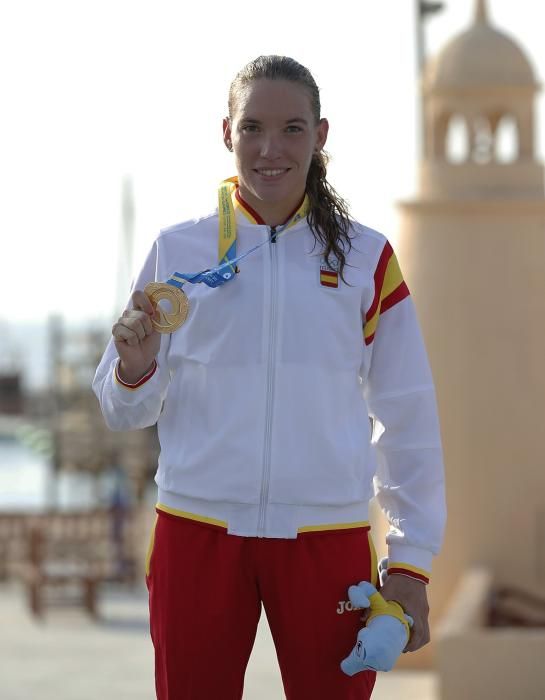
column 263, row 397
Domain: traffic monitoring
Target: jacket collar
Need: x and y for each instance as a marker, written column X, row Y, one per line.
column 246, row 214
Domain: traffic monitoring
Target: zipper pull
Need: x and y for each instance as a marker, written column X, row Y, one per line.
column 273, row 234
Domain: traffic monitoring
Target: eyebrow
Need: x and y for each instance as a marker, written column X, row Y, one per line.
column 295, row 120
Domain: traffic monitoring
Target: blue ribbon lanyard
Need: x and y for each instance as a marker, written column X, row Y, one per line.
column 225, row 271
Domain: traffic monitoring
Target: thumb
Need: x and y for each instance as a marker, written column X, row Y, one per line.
column 141, row 301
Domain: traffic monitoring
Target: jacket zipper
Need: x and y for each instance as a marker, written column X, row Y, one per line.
column 270, row 385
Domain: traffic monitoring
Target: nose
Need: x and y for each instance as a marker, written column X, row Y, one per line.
column 270, row 146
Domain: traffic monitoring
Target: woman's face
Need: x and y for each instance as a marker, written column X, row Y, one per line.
column 274, row 135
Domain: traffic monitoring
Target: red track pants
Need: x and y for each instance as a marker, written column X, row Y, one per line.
column 206, row 589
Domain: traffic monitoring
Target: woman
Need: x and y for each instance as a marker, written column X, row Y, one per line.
column 262, row 401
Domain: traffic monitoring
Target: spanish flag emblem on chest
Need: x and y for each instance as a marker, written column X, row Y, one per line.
column 328, row 277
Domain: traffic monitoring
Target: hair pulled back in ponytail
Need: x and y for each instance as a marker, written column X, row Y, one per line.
column 328, row 216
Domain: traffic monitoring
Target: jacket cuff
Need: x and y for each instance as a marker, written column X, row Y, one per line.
column 413, row 562
column 149, row 374
column 129, row 394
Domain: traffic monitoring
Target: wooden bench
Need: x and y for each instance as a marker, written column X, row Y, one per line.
column 63, row 557
column 13, row 543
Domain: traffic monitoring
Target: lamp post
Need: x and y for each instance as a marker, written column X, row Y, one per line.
column 424, row 10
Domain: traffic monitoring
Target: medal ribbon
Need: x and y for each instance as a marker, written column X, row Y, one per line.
column 227, row 241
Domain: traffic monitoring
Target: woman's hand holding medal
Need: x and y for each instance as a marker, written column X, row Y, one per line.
column 135, row 338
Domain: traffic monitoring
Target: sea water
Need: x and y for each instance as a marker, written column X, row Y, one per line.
column 28, row 482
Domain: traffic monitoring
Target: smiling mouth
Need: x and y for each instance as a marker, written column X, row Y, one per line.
column 271, row 172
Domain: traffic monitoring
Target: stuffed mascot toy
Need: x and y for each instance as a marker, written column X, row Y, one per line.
column 386, row 630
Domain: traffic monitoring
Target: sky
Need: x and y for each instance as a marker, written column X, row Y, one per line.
column 94, row 92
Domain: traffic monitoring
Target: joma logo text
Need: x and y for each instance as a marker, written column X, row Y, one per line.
column 345, row 606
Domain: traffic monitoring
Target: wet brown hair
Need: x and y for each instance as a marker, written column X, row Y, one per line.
column 328, row 216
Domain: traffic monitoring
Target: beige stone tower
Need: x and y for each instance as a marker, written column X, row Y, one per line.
column 472, row 247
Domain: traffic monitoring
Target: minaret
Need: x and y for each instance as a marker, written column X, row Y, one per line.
column 480, row 81
column 472, row 247
column 481, row 12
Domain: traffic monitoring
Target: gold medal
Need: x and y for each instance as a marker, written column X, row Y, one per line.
column 170, row 321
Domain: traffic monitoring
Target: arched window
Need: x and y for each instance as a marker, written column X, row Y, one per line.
column 483, row 142
column 506, row 146
column 457, row 140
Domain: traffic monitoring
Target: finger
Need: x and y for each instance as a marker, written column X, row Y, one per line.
column 414, row 636
column 365, row 614
column 125, row 335
column 137, row 326
column 117, row 331
column 139, row 322
column 142, row 316
column 141, row 301
column 148, row 325
column 419, row 638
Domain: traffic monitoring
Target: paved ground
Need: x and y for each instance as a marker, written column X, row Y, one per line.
column 66, row 657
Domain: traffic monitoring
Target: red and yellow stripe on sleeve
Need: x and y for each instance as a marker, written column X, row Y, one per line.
column 408, row 570
column 390, row 288
column 149, row 374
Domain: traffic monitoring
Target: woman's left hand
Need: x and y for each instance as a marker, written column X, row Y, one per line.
column 412, row 596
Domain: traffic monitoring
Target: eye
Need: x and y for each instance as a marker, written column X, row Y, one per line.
column 293, row 129
column 249, row 128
